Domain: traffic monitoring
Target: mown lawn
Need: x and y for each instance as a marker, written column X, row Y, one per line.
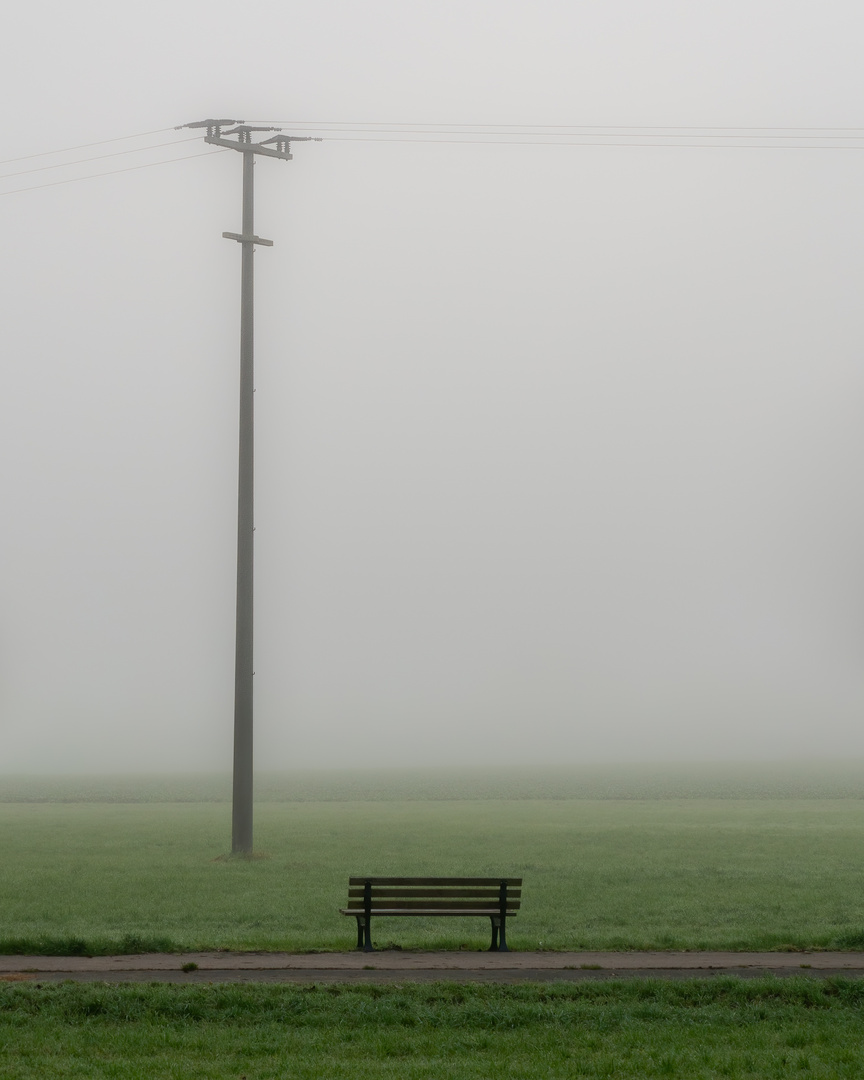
column 599, row 874
column 711, row 1028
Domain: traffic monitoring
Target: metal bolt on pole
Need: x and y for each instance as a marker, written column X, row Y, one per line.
column 239, row 137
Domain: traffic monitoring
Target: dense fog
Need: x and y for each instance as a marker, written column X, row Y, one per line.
column 558, row 435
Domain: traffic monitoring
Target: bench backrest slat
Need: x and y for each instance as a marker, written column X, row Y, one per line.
column 407, row 892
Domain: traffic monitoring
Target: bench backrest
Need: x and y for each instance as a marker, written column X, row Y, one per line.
column 473, row 895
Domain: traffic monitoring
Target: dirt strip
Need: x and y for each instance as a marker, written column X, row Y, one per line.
column 397, row 966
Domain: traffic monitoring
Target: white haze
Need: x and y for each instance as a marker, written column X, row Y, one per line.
column 559, row 449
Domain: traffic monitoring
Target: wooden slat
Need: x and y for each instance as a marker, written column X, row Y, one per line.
column 423, row 911
column 440, row 881
column 455, row 892
column 430, row 905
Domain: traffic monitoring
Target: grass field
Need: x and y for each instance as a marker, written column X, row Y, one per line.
column 788, row 780
column 699, row 1029
column 127, row 872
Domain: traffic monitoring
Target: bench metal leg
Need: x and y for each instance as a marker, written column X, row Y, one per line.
column 364, row 933
column 499, row 921
column 367, row 914
column 499, row 939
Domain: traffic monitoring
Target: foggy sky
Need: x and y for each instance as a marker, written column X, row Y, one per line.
column 558, row 448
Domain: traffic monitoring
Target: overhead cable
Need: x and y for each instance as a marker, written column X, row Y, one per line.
column 111, row 172
column 629, row 145
column 96, row 157
column 85, row 146
column 693, row 129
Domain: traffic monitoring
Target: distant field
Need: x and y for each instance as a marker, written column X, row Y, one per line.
column 698, row 1030
column 600, row 873
column 790, row 780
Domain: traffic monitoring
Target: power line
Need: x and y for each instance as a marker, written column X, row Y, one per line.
column 620, row 135
column 627, row 145
column 86, row 146
column 782, row 138
column 575, row 134
column 518, row 134
column 97, row 157
column 110, row 172
column 617, row 128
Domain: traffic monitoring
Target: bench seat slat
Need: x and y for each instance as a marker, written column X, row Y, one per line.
column 432, row 905
column 439, row 881
column 455, row 892
column 424, row 911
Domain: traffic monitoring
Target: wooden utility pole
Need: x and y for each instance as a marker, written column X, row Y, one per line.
column 239, row 137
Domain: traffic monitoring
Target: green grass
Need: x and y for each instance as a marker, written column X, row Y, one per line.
column 696, row 1029
column 599, row 874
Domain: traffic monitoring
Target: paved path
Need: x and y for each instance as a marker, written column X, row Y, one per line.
column 398, row 966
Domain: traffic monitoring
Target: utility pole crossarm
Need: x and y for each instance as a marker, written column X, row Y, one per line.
column 247, row 147
column 207, row 124
column 247, row 239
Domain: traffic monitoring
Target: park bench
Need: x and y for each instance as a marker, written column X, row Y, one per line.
column 495, row 898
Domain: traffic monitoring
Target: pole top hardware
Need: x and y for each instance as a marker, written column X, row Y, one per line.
column 239, row 137
column 283, row 142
